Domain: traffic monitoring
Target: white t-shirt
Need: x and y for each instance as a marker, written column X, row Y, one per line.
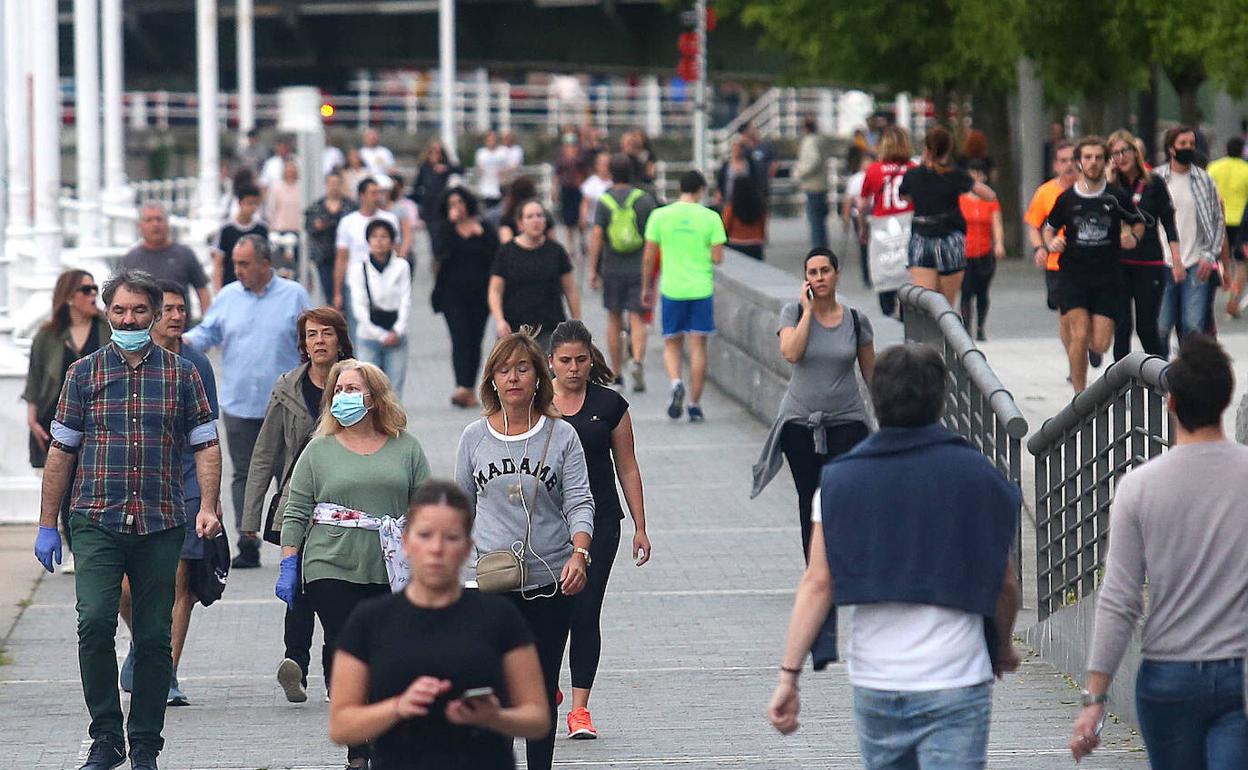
column 515, row 154
column 272, row 171
column 914, row 647
column 378, row 160
column 490, row 167
column 592, row 189
column 1180, row 186
column 351, row 237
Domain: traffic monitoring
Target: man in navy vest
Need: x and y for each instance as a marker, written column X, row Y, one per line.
column 917, row 528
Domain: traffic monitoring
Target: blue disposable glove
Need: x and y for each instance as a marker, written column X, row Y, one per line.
column 288, row 580
column 48, row 547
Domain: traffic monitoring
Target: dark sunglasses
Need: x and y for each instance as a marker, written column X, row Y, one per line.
column 91, row 289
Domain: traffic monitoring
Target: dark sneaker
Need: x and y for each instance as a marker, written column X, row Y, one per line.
column 677, row 404
column 248, row 555
column 695, row 413
column 290, row 677
column 1095, row 359
column 176, row 698
column 639, row 378
column 980, row 336
column 104, row 755
column 127, row 670
column 143, row 758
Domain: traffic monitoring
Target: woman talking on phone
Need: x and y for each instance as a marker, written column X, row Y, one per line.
column 435, row 676
column 822, row 414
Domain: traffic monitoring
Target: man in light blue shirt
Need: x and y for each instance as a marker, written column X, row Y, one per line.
column 253, row 320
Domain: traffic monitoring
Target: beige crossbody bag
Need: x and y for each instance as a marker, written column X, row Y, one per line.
column 503, row 570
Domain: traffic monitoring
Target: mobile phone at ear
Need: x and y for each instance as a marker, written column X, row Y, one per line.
column 810, row 293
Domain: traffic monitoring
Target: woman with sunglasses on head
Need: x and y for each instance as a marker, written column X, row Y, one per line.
column 524, row 470
column 289, row 424
column 350, row 490
column 1143, row 260
column 435, row 676
column 531, row 277
column 75, row 329
column 822, row 414
column 583, row 395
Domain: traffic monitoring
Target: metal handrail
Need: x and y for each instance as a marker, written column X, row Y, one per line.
column 935, row 307
column 1117, row 423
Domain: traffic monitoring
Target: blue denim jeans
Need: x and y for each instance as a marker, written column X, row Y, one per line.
column 1183, row 305
column 817, row 218
column 1192, row 714
column 393, row 361
column 933, row 730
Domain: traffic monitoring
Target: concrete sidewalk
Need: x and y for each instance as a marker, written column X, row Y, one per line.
column 691, row 646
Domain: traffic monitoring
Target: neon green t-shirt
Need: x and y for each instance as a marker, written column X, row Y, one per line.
column 685, row 233
column 1230, row 176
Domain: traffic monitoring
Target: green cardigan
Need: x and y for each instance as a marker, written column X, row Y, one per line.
column 382, row 484
column 44, row 378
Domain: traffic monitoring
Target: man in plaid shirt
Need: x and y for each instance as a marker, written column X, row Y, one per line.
column 127, row 414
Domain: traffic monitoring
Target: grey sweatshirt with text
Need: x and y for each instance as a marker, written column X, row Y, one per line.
column 488, row 467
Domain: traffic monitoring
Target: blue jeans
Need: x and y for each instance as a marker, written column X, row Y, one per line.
column 1192, row 714
column 817, row 218
column 393, row 361
column 1183, row 305
column 933, row 730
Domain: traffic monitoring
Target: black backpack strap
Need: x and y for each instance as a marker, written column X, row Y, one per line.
column 857, row 329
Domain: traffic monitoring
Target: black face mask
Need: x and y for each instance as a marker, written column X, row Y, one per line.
column 1186, row 156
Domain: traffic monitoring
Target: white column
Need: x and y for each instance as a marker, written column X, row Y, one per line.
column 699, row 92
column 446, row 71
column 5, row 324
column 46, row 132
column 902, row 113
column 482, row 112
column 1030, row 127
column 209, row 127
column 115, row 191
column 17, row 107
column 654, row 105
column 244, row 20
column 87, row 117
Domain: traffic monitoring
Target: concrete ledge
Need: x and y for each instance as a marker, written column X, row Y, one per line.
column 1064, row 639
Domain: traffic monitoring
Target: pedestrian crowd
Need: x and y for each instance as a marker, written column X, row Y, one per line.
column 447, row 597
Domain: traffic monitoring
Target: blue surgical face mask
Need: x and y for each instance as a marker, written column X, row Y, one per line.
column 348, row 408
column 131, row 340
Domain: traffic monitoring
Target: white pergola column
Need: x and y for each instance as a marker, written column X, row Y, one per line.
column 446, row 72
column 46, row 131
column 17, row 128
column 245, row 52
column 209, row 128
column 87, row 117
column 115, row 190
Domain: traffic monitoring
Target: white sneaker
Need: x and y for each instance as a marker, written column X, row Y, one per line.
column 67, row 563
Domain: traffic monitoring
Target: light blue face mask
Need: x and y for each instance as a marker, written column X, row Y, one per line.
column 348, row 408
column 131, row 340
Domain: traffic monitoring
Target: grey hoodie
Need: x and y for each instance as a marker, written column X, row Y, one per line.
column 489, row 465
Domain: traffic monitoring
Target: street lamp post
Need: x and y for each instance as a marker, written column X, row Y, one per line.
column 115, row 192
column 17, row 129
column 209, row 129
column 446, row 72
column 699, row 91
column 46, row 132
column 244, row 18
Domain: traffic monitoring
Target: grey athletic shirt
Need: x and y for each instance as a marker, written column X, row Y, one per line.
column 488, row 467
column 1181, row 523
column 824, row 380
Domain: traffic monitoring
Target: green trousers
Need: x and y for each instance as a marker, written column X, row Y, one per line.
column 102, row 557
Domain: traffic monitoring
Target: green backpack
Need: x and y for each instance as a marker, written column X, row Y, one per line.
column 622, row 232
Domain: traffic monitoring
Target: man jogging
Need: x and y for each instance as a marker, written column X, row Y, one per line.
column 1099, row 219
column 692, row 238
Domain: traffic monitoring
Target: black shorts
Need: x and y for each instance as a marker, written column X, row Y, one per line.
column 1050, row 288
column 1231, row 232
column 1101, row 295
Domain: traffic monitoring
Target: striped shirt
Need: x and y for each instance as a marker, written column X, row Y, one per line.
column 130, row 428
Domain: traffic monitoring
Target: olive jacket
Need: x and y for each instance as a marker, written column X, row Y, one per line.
column 287, row 427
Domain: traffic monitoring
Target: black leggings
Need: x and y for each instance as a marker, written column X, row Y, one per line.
column 549, row 618
column 465, row 319
column 300, row 622
column 585, row 647
column 1146, row 284
column 798, row 445
column 333, row 600
column 975, row 283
